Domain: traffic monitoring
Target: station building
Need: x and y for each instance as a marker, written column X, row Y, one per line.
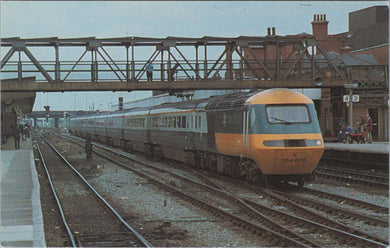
column 365, row 44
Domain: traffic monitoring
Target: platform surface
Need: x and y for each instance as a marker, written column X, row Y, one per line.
column 21, row 213
column 375, row 147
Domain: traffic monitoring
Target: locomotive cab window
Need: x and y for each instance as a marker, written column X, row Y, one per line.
column 287, row 114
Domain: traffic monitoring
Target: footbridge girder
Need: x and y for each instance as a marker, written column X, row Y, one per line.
column 179, row 63
column 193, row 62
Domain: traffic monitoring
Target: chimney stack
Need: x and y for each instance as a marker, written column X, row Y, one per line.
column 269, row 31
column 320, row 26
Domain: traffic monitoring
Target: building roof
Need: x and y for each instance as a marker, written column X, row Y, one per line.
column 343, row 59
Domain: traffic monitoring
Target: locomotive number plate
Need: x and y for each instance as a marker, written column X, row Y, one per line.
column 292, row 158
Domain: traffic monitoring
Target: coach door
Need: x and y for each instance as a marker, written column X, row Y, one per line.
column 245, row 131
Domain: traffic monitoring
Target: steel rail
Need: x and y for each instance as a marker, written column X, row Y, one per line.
column 185, row 195
column 60, row 209
column 119, row 217
column 350, row 176
column 341, row 228
column 341, row 212
column 352, row 232
column 214, row 208
column 346, row 200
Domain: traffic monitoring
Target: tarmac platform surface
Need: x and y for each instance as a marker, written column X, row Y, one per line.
column 21, row 212
column 375, row 147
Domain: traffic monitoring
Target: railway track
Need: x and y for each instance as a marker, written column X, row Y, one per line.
column 360, row 206
column 201, row 196
column 352, row 177
column 293, row 205
column 89, row 220
column 294, row 228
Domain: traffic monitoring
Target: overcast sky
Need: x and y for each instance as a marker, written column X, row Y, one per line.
column 104, row 19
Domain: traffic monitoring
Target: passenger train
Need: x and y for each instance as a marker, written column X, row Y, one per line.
column 262, row 136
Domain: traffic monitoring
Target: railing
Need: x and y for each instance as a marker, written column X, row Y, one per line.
column 288, row 58
column 369, row 76
column 122, row 71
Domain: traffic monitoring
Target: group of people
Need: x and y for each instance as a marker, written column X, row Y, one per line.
column 365, row 126
column 21, row 131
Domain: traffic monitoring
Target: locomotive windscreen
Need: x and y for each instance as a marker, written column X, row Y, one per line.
column 287, row 114
column 283, row 119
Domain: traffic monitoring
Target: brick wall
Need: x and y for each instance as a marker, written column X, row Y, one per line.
column 381, row 54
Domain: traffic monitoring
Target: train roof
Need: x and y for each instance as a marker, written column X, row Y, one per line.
column 233, row 100
column 186, row 106
column 278, row 96
column 228, row 101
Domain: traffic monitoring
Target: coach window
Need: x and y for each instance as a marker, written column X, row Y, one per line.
column 178, row 121
column 154, row 122
column 183, row 121
column 174, row 121
column 190, row 122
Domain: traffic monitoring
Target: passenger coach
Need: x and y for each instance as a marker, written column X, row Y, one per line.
column 267, row 135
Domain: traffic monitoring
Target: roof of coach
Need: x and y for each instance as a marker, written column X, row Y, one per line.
column 98, row 114
column 278, row 96
column 233, row 100
column 103, row 114
column 186, row 106
column 136, row 111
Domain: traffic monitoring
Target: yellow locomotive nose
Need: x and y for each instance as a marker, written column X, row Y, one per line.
column 287, row 154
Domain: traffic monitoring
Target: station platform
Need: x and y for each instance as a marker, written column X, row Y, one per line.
column 375, row 147
column 21, row 212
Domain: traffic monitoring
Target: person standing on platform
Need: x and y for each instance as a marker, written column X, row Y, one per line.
column 16, row 134
column 149, row 71
column 369, row 129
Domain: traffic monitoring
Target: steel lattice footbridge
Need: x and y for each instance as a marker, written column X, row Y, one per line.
column 179, row 63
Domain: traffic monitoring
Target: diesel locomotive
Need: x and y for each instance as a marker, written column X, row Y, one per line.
column 262, row 136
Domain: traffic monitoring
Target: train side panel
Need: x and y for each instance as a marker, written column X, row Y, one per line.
column 171, row 132
column 135, row 134
column 227, row 131
column 100, row 128
column 114, row 129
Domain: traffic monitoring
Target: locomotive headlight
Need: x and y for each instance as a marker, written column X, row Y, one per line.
column 315, row 142
column 274, row 143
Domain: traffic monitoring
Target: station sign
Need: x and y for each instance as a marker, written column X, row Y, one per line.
column 355, row 98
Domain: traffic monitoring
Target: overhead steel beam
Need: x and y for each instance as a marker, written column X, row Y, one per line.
column 249, row 59
column 167, row 85
column 259, row 62
column 37, row 64
column 7, row 57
